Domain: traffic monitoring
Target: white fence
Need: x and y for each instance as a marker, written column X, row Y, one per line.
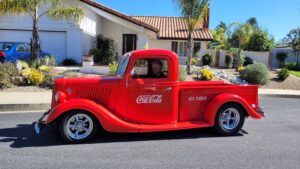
column 259, row 57
column 291, row 56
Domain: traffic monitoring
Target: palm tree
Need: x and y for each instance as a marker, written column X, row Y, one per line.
column 32, row 8
column 195, row 11
column 243, row 32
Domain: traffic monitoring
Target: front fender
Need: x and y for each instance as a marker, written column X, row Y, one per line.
column 215, row 104
column 107, row 119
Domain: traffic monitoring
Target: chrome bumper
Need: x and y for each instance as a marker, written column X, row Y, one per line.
column 40, row 123
column 261, row 111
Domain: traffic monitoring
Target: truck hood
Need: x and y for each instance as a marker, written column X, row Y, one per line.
column 97, row 89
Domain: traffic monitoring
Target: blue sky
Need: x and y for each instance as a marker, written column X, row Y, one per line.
column 276, row 16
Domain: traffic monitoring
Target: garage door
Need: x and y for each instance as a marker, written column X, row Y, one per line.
column 52, row 42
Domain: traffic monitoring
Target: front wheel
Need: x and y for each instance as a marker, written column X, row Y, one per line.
column 229, row 119
column 78, row 127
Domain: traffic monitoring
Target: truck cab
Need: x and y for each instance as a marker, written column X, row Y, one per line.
column 145, row 95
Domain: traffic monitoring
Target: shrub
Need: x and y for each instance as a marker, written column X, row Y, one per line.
column 35, row 64
column 248, row 61
column 36, row 77
column 48, row 60
column 9, row 68
column 24, row 64
column 104, row 53
column 69, row 62
column 4, row 80
column 25, row 72
column 113, row 68
column 70, row 74
column 207, row 59
column 256, row 73
column 206, row 74
column 241, row 58
column 283, row 74
column 291, row 65
column 182, row 73
column 194, row 61
column 45, row 69
column 241, row 69
column 228, row 60
column 48, row 81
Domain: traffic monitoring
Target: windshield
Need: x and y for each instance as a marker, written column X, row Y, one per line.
column 5, row 46
column 123, row 63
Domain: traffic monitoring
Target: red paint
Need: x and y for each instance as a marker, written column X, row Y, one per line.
column 2, row 54
column 125, row 104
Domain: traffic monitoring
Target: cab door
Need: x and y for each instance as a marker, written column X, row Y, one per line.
column 151, row 100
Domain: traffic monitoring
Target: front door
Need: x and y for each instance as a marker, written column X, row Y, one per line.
column 129, row 43
column 150, row 98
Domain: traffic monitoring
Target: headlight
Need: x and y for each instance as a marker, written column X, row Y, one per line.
column 60, row 97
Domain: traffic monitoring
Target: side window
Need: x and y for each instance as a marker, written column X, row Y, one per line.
column 151, row 68
column 21, row 48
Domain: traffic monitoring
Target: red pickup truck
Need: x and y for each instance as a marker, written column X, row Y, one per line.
column 146, row 96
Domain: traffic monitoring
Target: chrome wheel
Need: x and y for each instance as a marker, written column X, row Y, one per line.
column 229, row 119
column 79, row 126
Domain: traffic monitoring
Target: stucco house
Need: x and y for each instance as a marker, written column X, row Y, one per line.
column 64, row 39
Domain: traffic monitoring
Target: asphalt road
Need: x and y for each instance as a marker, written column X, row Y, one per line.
column 270, row 143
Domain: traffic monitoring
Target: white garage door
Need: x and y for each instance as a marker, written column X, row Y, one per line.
column 52, row 42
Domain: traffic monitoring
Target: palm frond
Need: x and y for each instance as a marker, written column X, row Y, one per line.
column 11, row 6
column 67, row 13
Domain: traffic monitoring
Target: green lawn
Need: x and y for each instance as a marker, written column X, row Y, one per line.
column 295, row 73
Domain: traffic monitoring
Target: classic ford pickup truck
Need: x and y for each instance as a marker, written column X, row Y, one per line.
column 145, row 95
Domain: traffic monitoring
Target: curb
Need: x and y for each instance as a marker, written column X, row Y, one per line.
column 23, row 107
column 280, row 96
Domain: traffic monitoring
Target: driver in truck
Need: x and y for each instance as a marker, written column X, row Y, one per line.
column 157, row 69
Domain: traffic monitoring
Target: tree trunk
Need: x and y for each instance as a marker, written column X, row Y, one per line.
column 35, row 41
column 189, row 53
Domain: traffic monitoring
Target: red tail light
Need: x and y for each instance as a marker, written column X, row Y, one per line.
column 2, row 54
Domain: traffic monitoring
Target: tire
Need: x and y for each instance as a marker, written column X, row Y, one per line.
column 229, row 119
column 78, row 127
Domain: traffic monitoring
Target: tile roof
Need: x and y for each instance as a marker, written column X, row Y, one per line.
column 174, row 28
column 121, row 15
column 165, row 27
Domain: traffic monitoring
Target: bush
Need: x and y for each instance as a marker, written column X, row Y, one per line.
column 48, row 61
column 4, row 80
column 194, row 61
column 291, row 65
column 228, row 60
column 241, row 69
column 207, row 59
column 241, row 58
column 113, row 68
column 283, row 74
column 256, row 73
column 69, row 62
column 248, row 61
column 48, row 81
column 182, row 73
column 206, row 74
column 24, row 64
column 36, row 77
column 105, row 51
column 35, row 64
column 9, row 68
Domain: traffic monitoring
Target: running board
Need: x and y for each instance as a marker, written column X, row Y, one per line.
column 174, row 126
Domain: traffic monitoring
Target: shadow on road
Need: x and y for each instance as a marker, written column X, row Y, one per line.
column 24, row 136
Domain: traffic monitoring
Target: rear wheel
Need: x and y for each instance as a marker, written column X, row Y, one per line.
column 229, row 119
column 78, row 127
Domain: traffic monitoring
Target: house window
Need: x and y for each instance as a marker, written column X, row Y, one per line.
column 197, row 47
column 180, row 48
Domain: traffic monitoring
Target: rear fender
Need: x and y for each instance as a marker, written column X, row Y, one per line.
column 216, row 103
column 106, row 118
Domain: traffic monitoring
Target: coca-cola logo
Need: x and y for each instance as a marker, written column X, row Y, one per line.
column 148, row 99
